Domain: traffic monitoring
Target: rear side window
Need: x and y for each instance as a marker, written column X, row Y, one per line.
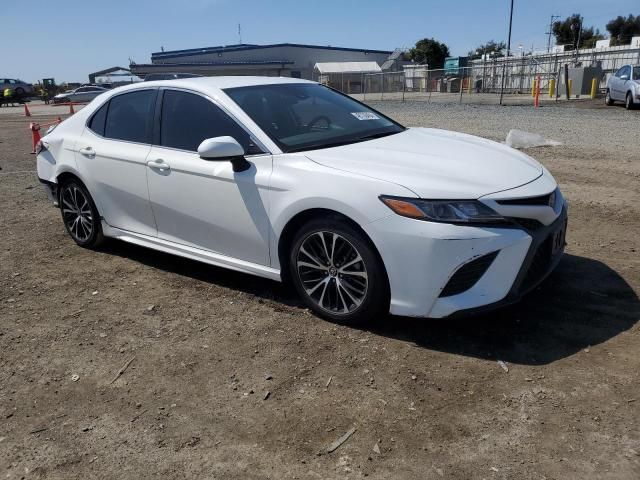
column 130, row 117
column 188, row 119
column 98, row 120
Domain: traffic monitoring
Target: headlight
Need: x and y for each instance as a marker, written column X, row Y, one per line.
column 444, row 211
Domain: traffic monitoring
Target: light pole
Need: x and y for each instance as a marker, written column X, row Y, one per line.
column 521, row 48
column 504, row 65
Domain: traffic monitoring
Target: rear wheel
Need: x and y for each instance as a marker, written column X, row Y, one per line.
column 628, row 103
column 337, row 272
column 607, row 98
column 80, row 215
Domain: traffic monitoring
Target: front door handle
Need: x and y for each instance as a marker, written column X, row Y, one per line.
column 159, row 165
column 88, row 152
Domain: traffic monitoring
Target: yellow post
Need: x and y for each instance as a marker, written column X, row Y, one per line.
column 552, row 87
column 569, row 85
column 594, row 87
column 533, row 87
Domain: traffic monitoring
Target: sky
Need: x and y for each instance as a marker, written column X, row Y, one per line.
column 73, row 38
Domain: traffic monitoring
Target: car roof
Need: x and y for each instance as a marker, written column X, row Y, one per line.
column 213, row 83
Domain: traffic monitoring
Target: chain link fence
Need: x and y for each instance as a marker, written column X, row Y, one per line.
column 509, row 80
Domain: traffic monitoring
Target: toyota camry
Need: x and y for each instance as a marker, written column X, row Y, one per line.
column 290, row 180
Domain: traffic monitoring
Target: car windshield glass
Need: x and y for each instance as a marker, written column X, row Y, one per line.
column 306, row 116
column 636, row 73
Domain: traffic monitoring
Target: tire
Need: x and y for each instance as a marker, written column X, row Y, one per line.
column 80, row 215
column 607, row 98
column 20, row 91
column 342, row 289
column 628, row 102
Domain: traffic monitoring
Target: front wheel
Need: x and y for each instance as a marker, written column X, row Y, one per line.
column 628, row 104
column 337, row 272
column 607, row 98
column 80, row 215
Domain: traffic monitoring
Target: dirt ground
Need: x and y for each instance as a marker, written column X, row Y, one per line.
column 229, row 377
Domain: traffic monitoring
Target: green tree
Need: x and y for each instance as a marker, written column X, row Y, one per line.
column 429, row 51
column 622, row 29
column 572, row 29
column 491, row 47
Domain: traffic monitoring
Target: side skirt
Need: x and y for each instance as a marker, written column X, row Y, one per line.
column 192, row 253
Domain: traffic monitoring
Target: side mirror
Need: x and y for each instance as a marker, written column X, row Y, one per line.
column 624, row 77
column 224, row 148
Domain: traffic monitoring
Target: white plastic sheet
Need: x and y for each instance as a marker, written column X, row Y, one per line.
column 522, row 139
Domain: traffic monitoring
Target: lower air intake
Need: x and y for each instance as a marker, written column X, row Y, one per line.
column 468, row 275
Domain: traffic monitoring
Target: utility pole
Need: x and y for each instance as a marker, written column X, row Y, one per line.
column 240, row 34
column 506, row 60
column 550, row 32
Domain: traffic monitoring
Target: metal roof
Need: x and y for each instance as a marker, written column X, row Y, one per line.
column 218, row 63
column 347, row 67
column 245, row 46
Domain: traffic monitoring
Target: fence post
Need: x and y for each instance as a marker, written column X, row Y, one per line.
column 404, row 85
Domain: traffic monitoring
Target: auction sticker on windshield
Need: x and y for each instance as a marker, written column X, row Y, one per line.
column 365, row 116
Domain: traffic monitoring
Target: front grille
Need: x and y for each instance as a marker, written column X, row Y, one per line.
column 468, row 275
column 539, row 266
column 542, row 200
column 529, row 224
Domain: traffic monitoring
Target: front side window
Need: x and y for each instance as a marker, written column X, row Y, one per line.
column 636, row 73
column 130, row 117
column 626, row 70
column 188, row 119
column 306, row 116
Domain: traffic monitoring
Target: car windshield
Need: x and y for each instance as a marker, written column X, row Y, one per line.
column 307, row 116
column 636, row 72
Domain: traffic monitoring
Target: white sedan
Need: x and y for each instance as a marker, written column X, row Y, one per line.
column 81, row 94
column 292, row 181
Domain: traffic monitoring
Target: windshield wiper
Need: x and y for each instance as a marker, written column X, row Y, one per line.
column 341, row 143
column 374, row 135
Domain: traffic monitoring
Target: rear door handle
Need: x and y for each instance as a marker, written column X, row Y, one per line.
column 159, row 165
column 87, row 152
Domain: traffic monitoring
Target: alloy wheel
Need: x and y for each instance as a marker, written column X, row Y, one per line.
column 332, row 272
column 76, row 212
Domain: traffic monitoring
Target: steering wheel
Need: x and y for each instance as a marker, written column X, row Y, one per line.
column 317, row 119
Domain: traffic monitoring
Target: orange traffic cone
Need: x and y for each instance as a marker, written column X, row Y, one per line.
column 27, row 113
column 35, row 135
column 71, row 111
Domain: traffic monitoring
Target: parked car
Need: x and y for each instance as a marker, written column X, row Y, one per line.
column 169, row 76
column 108, row 86
column 81, row 94
column 624, row 86
column 20, row 87
column 290, row 180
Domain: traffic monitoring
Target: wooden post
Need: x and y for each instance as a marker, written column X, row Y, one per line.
column 566, row 81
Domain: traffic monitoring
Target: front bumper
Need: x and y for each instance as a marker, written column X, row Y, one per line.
column 421, row 257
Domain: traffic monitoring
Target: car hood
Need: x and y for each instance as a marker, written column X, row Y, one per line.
column 435, row 163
